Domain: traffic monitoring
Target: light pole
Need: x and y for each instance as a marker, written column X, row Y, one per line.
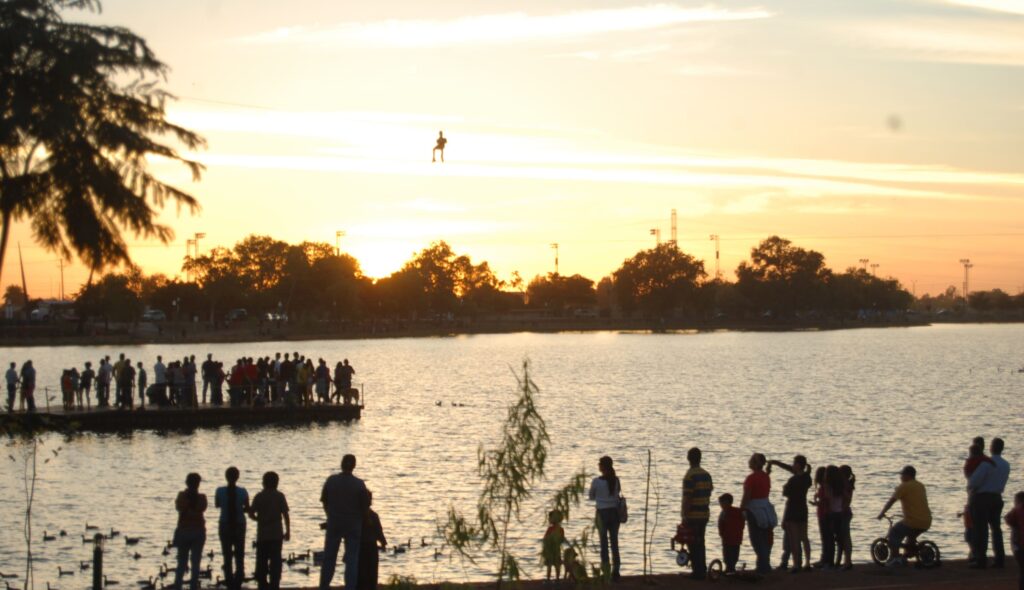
column 554, row 246
column 967, row 281
column 864, row 262
column 188, row 253
column 196, row 242
column 337, row 241
column 874, row 269
column 657, row 236
column 718, row 267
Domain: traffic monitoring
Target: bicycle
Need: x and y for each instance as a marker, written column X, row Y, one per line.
column 683, row 537
column 926, row 553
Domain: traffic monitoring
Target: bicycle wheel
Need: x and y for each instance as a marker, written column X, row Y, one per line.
column 880, row 552
column 928, row 554
column 715, row 570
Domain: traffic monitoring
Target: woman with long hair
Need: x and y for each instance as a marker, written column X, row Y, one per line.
column 819, row 505
column 605, row 491
column 850, row 483
column 794, row 518
column 190, row 534
column 761, row 518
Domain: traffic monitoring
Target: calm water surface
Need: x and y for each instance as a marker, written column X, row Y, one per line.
column 875, row 399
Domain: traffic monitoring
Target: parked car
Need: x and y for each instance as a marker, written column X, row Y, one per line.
column 237, row 315
column 153, row 315
column 271, row 316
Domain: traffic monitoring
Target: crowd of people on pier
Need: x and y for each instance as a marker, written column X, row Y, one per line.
column 351, row 521
column 288, row 379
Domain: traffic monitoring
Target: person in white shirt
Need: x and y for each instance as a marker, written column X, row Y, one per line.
column 605, row 492
column 985, row 491
column 12, row 386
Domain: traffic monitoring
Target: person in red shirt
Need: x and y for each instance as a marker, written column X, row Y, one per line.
column 1015, row 521
column 761, row 516
column 975, row 456
column 730, row 529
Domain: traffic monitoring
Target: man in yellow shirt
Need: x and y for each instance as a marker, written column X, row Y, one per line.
column 917, row 516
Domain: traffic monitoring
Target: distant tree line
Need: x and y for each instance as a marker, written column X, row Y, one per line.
column 311, row 281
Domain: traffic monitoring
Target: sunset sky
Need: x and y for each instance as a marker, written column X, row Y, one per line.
column 891, row 130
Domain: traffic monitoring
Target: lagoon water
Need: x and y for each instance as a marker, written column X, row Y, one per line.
column 875, row 398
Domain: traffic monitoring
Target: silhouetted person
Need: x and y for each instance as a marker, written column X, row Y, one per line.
column 233, row 502
column 190, row 534
column 269, row 508
column 441, row 142
column 369, row 558
column 986, row 486
column 605, row 491
column 761, row 518
column 346, row 502
column 12, row 386
column 207, row 369
column 28, row 386
column 697, row 487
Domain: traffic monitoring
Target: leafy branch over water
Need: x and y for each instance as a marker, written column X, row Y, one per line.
column 509, row 473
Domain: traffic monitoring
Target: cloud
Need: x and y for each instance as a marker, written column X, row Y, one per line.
column 713, row 71
column 625, row 55
column 1006, row 6
column 496, row 29
column 941, row 40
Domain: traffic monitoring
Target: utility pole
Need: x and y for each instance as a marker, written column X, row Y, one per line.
column 675, row 232
column 337, row 241
column 864, row 262
column 188, row 252
column 554, row 246
column 24, row 285
column 196, row 242
column 967, row 281
column 874, row 269
column 657, row 236
column 61, row 260
column 718, row 261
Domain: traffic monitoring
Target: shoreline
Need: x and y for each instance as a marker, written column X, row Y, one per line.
column 188, row 333
column 951, row 575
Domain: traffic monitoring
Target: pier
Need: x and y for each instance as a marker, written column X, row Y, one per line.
column 113, row 420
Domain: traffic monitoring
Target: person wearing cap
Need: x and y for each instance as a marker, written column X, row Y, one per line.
column 917, row 516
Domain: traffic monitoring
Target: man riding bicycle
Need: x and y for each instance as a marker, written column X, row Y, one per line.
column 917, row 516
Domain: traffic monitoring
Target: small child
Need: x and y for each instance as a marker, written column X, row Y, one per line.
column 1015, row 520
column 268, row 508
column 730, row 528
column 552, row 546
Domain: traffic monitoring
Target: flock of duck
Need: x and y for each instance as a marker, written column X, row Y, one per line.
column 299, row 563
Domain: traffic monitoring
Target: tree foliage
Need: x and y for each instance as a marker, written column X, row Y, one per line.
column 782, row 277
column 560, row 293
column 658, row 280
column 81, row 114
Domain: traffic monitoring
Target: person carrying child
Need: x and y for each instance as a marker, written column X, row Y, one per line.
column 268, row 509
column 730, row 529
column 551, row 551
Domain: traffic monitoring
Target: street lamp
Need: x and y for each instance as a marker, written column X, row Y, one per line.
column 337, row 241
column 554, row 246
column 196, row 242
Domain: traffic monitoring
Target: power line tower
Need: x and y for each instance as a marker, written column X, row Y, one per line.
column 675, row 232
column 967, row 281
column 657, row 236
column 554, row 246
column 718, row 257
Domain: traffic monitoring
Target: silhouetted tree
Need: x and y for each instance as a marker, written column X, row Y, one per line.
column 782, row 277
column 80, row 113
column 437, row 281
column 560, row 293
column 111, row 298
column 14, row 296
column 658, row 281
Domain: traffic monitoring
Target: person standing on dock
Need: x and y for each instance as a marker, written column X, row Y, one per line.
column 85, row 385
column 189, row 368
column 761, row 517
column 119, row 381
column 160, row 375
column 28, row 386
column 269, row 508
column 346, row 380
column 12, row 386
column 346, row 502
column 190, row 534
column 233, row 502
column 127, row 384
column 986, row 486
column 103, row 383
column 142, row 385
column 206, row 372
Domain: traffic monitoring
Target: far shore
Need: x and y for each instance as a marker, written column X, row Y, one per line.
column 67, row 334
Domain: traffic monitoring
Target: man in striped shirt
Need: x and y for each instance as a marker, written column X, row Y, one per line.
column 697, row 486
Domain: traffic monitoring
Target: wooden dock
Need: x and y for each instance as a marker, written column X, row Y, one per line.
column 111, row 420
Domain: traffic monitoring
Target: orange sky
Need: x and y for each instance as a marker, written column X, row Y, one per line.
column 888, row 130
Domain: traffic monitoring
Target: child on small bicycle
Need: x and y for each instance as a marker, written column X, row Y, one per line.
column 917, row 516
